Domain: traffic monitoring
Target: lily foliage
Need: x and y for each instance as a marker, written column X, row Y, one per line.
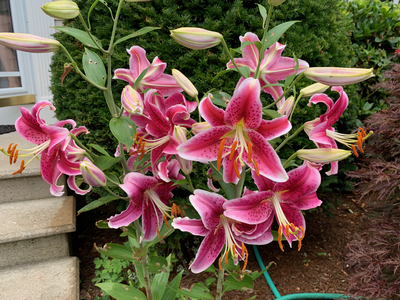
column 159, row 140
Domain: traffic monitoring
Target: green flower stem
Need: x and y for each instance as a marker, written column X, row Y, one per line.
column 300, row 129
column 220, row 284
column 110, row 47
column 293, row 156
column 190, row 182
column 294, row 106
column 261, row 55
column 143, row 262
column 78, row 142
column 114, row 194
column 198, row 104
column 79, row 71
column 116, row 183
column 90, row 34
column 239, row 185
column 231, row 57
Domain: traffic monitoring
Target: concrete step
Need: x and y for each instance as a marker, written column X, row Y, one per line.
column 34, row 250
column 29, row 219
column 56, row 279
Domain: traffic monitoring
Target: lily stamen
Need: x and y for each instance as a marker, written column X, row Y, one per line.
column 235, row 167
column 165, row 221
column 15, row 156
column 256, row 167
column 280, row 238
column 354, row 150
column 220, row 150
column 158, row 233
column 250, row 152
column 233, row 149
column 21, row 168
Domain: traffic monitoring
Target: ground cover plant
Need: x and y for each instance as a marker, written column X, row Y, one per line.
column 237, row 135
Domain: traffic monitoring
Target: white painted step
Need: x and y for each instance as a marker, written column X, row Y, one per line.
column 36, row 218
column 56, row 279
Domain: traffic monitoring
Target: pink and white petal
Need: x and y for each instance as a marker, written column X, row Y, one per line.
column 246, row 191
column 176, row 109
column 57, row 190
column 210, row 181
column 263, row 239
column 271, row 129
column 55, row 134
column 322, row 98
column 132, row 213
column 158, row 119
column 38, row 107
column 245, row 104
column 63, row 122
column 30, row 132
column 272, row 56
column 195, row 227
column 318, row 134
column 67, row 166
column 262, row 182
column 166, row 84
column 334, row 168
column 48, row 164
column 308, row 202
column 126, row 75
column 285, row 67
column 79, row 130
column 152, row 218
column 204, row 146
column 209, row 206
column 303, row 180
column 269, row 163
column 275, row 91
column 339, row 106
column 250, row 209
column 135, row 184
column 73, row 186
column 257, row 230
column 140, row 121
column 250, row 52
column 138, row 61
column 211, row 113
column 229, row 173
column 209, row 250
column 155, row 97
column 175, row 99
column 155, row 70
column 293, row 215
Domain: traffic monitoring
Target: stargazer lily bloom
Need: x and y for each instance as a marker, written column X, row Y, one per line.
column 154, row 78
column 238, row 136
column 321, row 132
column 285, row 200
column 273, row 67
column 220, row 231
column 57, row 156
column 149, row 197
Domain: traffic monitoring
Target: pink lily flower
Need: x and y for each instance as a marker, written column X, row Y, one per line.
column 149, row 197
column 219, row 230
column 285, row 200
column 54, row 148
column 273, row 67
column 238, row 136
column 154, row 78
column 321, row 132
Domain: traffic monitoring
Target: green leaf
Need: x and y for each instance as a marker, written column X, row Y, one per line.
column 113, row 177
column 275, row 235
column 210, row 281
column 164, row 232
column 263, row 13
column 105, row 162
column 100, row 149
column 172, row 288
column 124, row 129
column 180, row 182
column 228, row 189
column 140, row 32
column 220, row 98
column 99, row 202
column 94, row 67
column 102, row 224
column 140, row 77
column 121, row 291
column 275, row 33
column 272, row 113
column 160, row 281
column 81, row 35
column 156, row 264
column 245, row 71
column 257, row 274
column 222, row 73
column 211, row 269
column 231, row 283
column 198, row 291
column 117, row 251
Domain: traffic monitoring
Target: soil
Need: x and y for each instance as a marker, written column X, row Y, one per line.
column 319, row 267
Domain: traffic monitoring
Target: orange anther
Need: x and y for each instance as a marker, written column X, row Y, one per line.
column 250, row 152
column 302, row 232
column 235, row 167
column 280, row 238
column 9, row 148
column 243, row 249
column 141, row 150
column 363, row 133
column 360, row 142
column 233, row 149
column 220, row 150
column 246, row 258
column 219, row 263
column 158, row 233
column 165, row 221
column 256, row 167
column 226, row 257
column 15, row 156
column 287, row 230
column 12, row 153
column 354, row 150
column 299, row 245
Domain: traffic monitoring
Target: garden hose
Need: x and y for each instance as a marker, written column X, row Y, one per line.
column 292, row 296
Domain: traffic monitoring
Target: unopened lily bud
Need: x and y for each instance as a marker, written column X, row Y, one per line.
column 275, row 2
column 200, row 127
column 28, row 42
column 338, row 76
column 184, row 83
column 61, row 9
column 132, row 101
column 287, row 106
column 313, row 89
column 323, row 155
column 196, row 38
column 91, row 174
column 180, row 136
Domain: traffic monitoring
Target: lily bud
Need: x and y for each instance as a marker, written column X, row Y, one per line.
column 287, row 106
column 275, row 2
column 313, row 89
column 323, row 155
column 91, row 174
column 196, row 38
column 132, row 101
column 200, row 127
column 180, row 135
column 61, row 9
column 185, row 83
column 28, row 42
column 338, row 76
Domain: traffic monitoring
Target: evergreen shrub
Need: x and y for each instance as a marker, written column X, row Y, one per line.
column 322, row 38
